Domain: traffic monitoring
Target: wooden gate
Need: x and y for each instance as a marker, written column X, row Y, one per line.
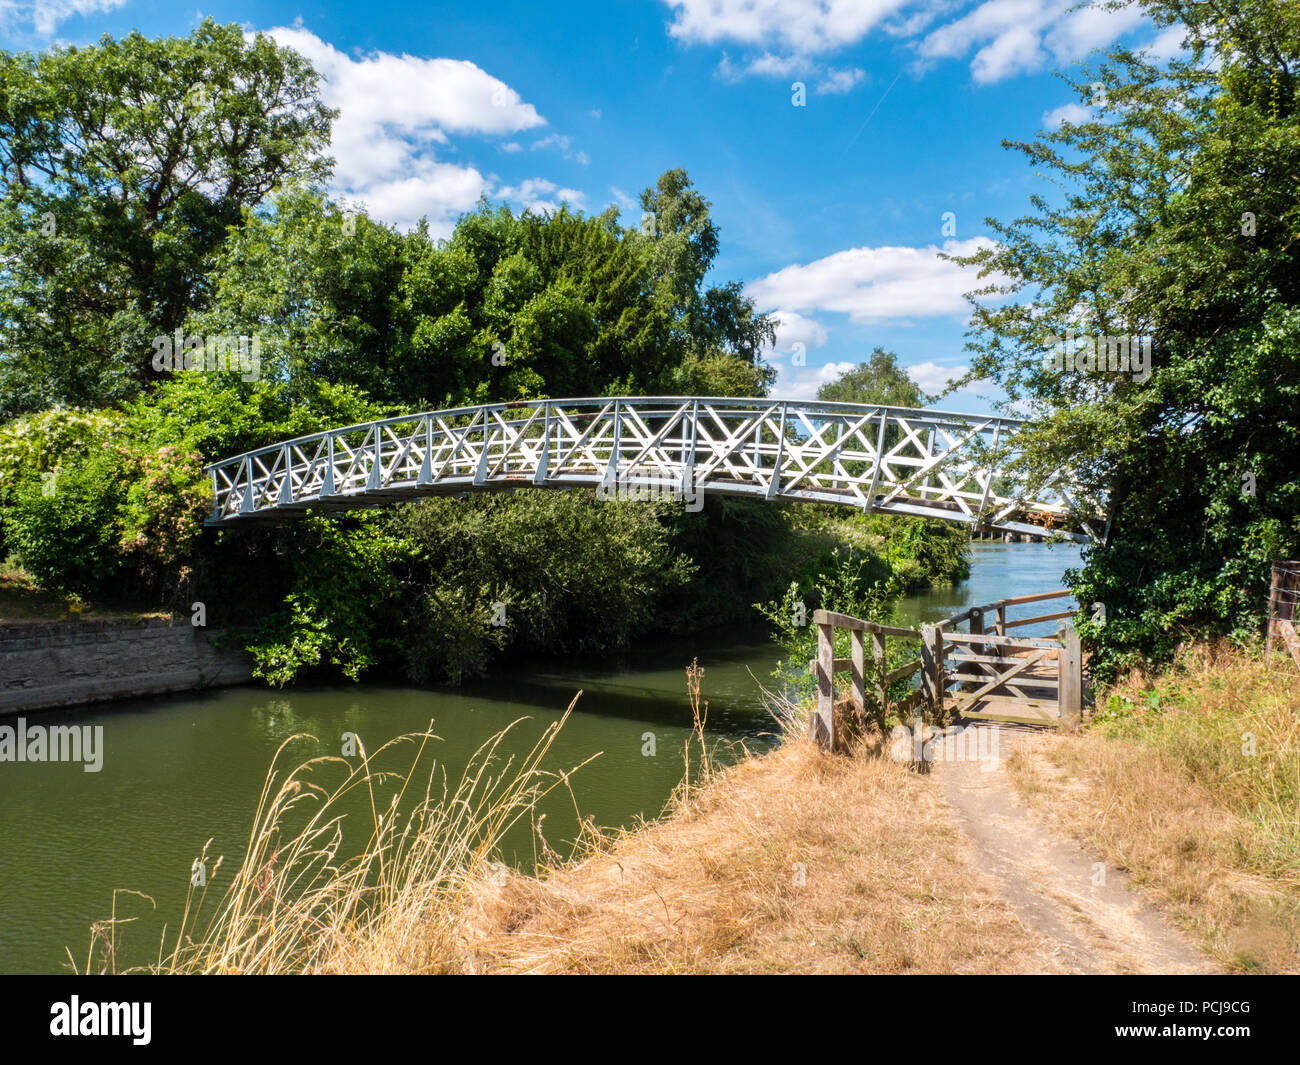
column 981, row 673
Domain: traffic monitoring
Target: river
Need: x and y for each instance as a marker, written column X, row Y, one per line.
column 179, row 771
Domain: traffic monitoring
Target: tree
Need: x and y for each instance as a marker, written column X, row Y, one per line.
column 510, row 307
column 878, row 380
column 319, row 287
column 680, row 229
column 121, row 167
column 1175, row 254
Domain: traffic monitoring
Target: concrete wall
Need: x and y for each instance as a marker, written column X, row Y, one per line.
column 43, row 666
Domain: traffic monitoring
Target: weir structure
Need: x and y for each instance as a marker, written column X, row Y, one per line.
column 889, row 460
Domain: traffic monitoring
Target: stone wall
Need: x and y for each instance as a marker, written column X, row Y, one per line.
column 43, row 666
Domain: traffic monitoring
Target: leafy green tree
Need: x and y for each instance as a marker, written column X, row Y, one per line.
column 684, row 240
column 510, row 307
column 121, row 167
column 1178, row 223
column 878, row 380
column 342, row 601
column 64, row 529
column 317, row 286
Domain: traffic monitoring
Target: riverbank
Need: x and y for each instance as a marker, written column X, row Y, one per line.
column 1160, row 839
column 803, row 862
column 1107, row 851
column 51, row 664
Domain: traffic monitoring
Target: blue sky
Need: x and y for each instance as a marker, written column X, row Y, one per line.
column 831, row 213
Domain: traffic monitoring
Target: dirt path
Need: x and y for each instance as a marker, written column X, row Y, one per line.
column 1088, row 910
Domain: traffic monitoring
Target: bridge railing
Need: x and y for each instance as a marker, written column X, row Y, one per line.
column 887, row 459
column 958, row 670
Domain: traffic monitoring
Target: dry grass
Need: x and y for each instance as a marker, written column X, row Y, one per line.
column 793, row 862
column 297, row 903
column 1190, row 780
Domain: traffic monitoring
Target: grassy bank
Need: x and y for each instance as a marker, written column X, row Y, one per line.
column 793, row 862
column 1190, row 780
column 789, row 862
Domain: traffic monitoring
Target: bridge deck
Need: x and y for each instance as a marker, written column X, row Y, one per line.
column 895, row 460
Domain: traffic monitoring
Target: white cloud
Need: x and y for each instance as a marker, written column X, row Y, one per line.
column 395, row 112
column 1168, row 43
column 766, row 65
column 538, row 195
column 802, row 382
column 1074, row 113
column 1006, row 37
column 792, row 329
column 803, row 27
column 561, row 143
column 838, row 82
column 875, row 284
column 43, row 17
column 829, row 80
column 1022, row 36
column 1090, row 28
column 932, row 377
column 625, row 202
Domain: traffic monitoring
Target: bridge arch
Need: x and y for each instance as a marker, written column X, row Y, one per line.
column 892, row 460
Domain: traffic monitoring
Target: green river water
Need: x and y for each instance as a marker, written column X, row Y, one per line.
column 179, row 771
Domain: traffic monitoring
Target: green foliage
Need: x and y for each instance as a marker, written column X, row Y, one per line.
column 342, row 601
column 572, row 575
column 509, row 307
column 720, row 375
column 64, row 528
column 878, row 380
column 1178, row 223
column 922, row 551
column 854, row 587
column 39, row 443
column 102, row 253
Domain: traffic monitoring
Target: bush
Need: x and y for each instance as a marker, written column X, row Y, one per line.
column 64, row 530
column 572, row 575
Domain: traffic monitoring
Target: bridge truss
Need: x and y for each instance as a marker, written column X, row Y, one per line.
column 889, row 460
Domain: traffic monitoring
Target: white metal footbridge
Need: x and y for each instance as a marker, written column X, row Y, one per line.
column 891, row 460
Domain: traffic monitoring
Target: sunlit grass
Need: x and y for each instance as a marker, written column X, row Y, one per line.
column 317, row 892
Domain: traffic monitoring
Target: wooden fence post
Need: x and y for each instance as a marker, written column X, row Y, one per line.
column 977, row 629
column 1273, row 587
column 881, row 662
column 1283, row 596
column 929, row 668
column 940, row 684
column 859, row 665
column 821, row 727
column 1069, row 679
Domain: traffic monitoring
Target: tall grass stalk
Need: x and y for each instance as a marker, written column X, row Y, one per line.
column 299, row 903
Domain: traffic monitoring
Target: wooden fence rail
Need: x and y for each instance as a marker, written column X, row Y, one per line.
column 986, row 662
